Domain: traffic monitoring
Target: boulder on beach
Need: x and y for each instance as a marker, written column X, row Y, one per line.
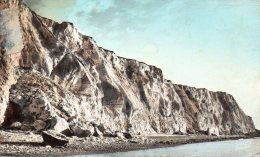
column 82, row 131
column 127, row 135
column 123, row 135
column 97, row 132
column 53, row 138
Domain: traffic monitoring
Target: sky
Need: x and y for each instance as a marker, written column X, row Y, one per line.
column 213, row 44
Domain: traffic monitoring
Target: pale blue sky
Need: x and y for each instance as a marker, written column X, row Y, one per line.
column 212, row 43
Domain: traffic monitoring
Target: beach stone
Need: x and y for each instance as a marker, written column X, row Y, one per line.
column 54, row 138
column 16, row 125
column 104, row 130
column 82, row 132
column 97, row 132
column 61, row 124
column 93, row 139
column 120, row 135
column 101, row 128
column 127, row 135
column 39, row 125
column 67, row 132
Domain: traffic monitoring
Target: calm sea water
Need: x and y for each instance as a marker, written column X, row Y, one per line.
column 232, row 148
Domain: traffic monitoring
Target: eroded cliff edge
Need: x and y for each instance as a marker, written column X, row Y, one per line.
column 53, row 77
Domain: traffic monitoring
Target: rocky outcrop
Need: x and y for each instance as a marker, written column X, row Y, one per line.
column 53, row 77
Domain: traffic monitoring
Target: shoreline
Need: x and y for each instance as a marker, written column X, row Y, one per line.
column 30, row 144
column 166, row 144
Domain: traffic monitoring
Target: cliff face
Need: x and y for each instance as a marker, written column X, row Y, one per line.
column 51, row 76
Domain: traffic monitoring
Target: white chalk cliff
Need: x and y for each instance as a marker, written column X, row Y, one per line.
column 53, row 77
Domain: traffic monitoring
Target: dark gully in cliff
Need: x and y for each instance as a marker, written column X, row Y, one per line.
column 53, row 77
